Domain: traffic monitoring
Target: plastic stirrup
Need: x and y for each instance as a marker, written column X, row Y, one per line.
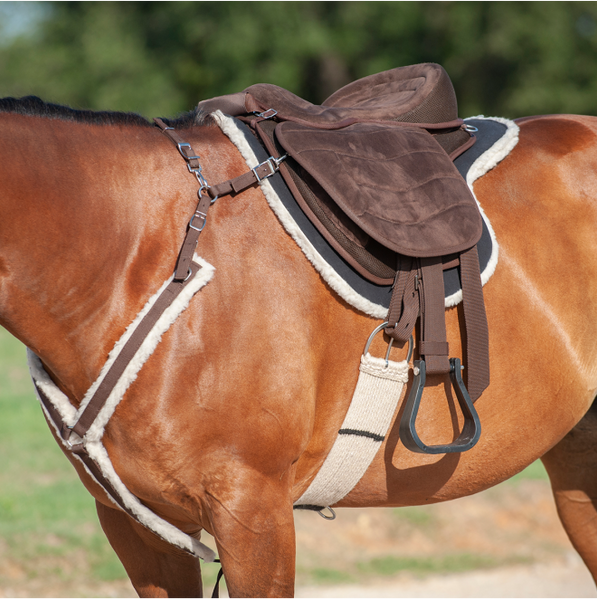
column 471, row 431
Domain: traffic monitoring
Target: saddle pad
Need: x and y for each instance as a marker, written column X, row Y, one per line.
column 395, row 183
column 496, row 137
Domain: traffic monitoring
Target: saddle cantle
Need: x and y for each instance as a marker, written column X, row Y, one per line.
column 372, row 169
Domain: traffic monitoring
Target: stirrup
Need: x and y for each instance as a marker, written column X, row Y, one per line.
column 471, row 431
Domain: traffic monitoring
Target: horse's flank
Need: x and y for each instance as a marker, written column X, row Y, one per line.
column 233, row 414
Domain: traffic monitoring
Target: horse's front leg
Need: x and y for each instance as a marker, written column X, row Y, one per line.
column 253, row 525
column 155, row 568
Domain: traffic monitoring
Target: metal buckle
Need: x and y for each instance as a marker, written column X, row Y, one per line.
column 270, row 113
column 387, row 359
column 203, row 185
column 331, row 517
column 182, row 145
column 198, row 214
column 272, row 163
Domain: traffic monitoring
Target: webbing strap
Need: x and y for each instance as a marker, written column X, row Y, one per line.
column 477, row 331
column 408, row 301
column 404, row 304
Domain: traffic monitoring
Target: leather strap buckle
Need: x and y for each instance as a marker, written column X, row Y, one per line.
column 272, row 163
column 199, row 215
column 270, row 113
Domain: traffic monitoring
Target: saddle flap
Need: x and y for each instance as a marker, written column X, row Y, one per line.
column 395, row 183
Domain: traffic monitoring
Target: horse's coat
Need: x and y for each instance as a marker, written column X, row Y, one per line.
column 233, row 414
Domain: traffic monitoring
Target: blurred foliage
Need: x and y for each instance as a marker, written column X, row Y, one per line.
column 506, row 58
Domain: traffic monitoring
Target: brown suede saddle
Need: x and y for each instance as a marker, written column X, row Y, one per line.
column 372, row 169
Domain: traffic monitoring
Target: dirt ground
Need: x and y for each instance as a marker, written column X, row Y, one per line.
column 505, row 542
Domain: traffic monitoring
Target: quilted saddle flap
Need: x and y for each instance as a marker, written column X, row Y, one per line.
column 395, row 183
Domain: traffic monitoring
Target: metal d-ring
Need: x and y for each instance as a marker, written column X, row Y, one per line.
column 323, row 515
column 376, row 331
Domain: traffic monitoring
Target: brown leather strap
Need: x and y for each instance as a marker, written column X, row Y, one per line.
column 197, row 222
column 195, row 227
column 129, row 350
column 404, row 304
column 242, row 182
column 183, row 147
column 433, row 346
column 477, row 331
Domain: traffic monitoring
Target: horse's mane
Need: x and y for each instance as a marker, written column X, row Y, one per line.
column 35, row 107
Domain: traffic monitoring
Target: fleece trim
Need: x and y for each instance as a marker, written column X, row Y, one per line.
column 92, row 440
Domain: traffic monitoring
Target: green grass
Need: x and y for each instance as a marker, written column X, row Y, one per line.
column 535, row 471
column 451, row 563
column 330, row 576
column 47, row 518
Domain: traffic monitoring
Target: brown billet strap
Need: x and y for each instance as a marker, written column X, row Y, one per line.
column 433, row 345
column 475, row 319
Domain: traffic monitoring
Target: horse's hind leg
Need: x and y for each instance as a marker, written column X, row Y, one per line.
column 572, row 469
column 156, row 569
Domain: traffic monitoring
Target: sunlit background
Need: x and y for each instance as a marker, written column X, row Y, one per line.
column 160, row 58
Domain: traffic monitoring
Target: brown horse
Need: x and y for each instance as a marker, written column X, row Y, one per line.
column 235, row 411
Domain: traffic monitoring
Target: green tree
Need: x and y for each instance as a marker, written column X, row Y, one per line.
column 506, row 58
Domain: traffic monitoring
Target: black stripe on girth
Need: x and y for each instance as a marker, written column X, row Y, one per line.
column 373, row 436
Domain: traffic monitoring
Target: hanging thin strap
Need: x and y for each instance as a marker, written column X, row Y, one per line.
column 216, row 592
